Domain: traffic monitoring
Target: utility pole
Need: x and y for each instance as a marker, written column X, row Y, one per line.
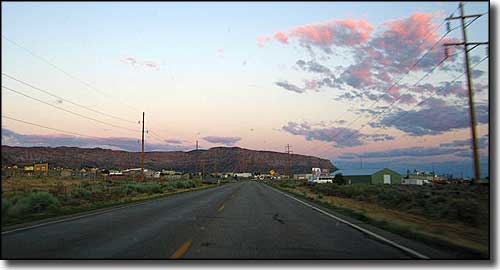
column 203, row 170
column 288, row 161
column 196, row 144
column 215, row 167
column 472, row 114
column 142, row 154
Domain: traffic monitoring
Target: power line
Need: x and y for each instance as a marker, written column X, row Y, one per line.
column 426, row 99
column 417, row 82
column 397, row 99
column 69, row 101
column 407, row 72
column 472, row 114
column 63, row 71
column 65, row 110
column 429, row 97
column 38, row 125
column 150, row 132
column 399, row 80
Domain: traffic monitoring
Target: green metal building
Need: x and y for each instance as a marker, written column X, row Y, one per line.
column 370, row 176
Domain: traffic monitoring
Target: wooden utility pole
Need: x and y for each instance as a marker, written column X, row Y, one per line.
column 142, row 154
column 215, row 167
column 203, row 170
column 472, row 114
column 288, row 161
column 196, row 144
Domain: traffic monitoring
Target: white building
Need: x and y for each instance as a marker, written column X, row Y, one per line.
column 243, row 175
column 320, row 176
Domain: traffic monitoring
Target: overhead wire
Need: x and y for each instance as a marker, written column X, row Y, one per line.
column 65, row 110
column 433, row 94
column 64, row 99
column 404, row 75
column 51, row 128
column 65, row 72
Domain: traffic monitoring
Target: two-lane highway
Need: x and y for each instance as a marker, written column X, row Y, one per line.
column 241, row 220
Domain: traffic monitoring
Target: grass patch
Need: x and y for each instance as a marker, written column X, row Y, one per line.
column 26, row 201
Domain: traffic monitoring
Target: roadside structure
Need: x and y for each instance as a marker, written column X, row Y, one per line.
column 368, row 176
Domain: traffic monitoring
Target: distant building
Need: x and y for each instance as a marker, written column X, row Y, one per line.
column 302, row 176
column 243, row 175
column 66, row 172
column 28, row 170
column 168, row 172
column 319, row 175
column 115, row 173
column 418, row 182
column 369, row 176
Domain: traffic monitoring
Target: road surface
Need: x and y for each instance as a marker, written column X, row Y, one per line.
column 243, row 220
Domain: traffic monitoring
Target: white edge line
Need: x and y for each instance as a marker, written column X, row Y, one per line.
column 408, row 250
column 103, row 211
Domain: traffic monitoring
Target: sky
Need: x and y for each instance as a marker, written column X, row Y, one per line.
column 359, row 83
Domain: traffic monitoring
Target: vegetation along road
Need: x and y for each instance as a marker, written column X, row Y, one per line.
column 239, row 220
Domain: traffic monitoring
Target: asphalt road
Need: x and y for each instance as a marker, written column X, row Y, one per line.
column 245, row 220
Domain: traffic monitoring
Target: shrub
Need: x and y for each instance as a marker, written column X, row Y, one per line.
column 154, row 188
column 180, row 185
column 189, row 184
column 85, row 184
column 122, row 190
column 141, row 188
column 462, row 210
column 81, row 193
column 6, row 205
column 34, row 202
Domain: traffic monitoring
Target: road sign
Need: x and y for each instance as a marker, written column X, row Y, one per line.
column 272, row 172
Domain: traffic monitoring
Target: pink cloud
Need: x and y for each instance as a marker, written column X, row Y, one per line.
column 394, row 91
column 407, row 99
column 413, row 29
column 220, row 52
column 347, row 32
column 281, row 37
column 262, row 39
column 311, row 84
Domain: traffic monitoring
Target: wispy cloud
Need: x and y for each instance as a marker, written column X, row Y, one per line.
column 432, row 120
column 341, row 136
column 483, row 142
column 290, row 87
column 174, row 141
column 404, row 152
column 222, row 140
column 133, row 61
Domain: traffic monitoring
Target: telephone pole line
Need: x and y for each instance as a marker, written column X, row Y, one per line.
column 142, row 154
column 472, row 113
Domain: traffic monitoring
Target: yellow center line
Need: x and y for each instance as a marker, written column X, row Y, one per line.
column 220, row 208
column 181, row 250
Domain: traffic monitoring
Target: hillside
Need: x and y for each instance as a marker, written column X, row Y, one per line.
column 221, row 159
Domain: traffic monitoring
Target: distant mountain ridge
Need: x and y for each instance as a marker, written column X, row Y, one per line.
column 220, row 159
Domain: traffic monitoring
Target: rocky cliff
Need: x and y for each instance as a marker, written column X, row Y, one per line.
column 220, row 159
